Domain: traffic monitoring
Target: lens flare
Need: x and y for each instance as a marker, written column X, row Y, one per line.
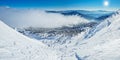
column 106, row 3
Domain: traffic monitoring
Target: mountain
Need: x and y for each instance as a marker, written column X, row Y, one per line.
column 104, row 44
column 90, row 15
column 60, row 35
column 82, row 41
column 15, row 46
column 36, row 18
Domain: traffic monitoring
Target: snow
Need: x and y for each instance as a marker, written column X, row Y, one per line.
column 104, row 45
column 100, row 43
column 15, row 46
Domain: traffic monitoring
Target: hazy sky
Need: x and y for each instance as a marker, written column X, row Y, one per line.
column 63, row 4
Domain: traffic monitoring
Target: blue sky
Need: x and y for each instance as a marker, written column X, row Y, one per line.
column 62, row 4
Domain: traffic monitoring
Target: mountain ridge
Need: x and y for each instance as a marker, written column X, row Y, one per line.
column 91, row 15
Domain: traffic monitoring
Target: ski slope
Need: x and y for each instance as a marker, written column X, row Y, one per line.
column 15, row 46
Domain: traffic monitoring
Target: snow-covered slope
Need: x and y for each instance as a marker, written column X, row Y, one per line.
column 15, row 46
column 105, row 43
column 102, row 45
column 99, row 43
column 58, row 35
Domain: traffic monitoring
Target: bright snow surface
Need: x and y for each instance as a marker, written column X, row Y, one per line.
column 105, row 44
column 15, row 46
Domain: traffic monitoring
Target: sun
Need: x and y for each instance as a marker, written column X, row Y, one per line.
column 106, row 3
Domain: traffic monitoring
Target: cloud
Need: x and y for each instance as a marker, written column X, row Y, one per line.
column 36, row 18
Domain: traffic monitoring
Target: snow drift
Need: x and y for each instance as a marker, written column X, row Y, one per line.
column 14, row 46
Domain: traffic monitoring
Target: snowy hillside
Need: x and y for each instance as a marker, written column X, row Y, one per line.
column 104, row 45
column 102, row 42
column 98, row 43
column 59, row 35
column 75, row 38
column 15, row 46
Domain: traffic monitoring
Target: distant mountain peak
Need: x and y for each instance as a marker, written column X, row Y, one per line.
column 97, row 15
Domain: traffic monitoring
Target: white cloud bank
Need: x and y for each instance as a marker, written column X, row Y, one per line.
column 37, row 18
